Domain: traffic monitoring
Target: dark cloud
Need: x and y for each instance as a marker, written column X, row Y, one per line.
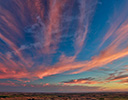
column 70, row 81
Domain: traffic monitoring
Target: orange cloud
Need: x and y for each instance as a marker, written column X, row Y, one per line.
column 81, row 81
column 125, row 81
column 97, row 61
column 46, row 84
column 111, row 53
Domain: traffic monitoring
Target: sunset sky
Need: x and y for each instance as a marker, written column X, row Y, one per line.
column 63, row 45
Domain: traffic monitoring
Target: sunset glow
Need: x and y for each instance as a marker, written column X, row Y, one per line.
column 63, row 45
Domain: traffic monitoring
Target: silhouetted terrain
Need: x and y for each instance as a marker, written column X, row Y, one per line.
column 63, row 96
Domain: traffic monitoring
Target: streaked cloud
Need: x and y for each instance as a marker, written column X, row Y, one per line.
column 40, row 38
column 52, row 88
column 88, row 80
column 86, row 12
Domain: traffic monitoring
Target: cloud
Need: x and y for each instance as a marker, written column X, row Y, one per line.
column 86, row 9
column 14, row 48
column 111, row 53
column 121, row 77
column 49, row 88
column 118, row 17
column 46, row 84
column 97, row 61
column 88, row 80
column 8, row 84
column 52, row 32
column 118, row 76
column 125, row 81
column 47, row 34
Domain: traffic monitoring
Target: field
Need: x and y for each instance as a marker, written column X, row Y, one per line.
column 63, row 96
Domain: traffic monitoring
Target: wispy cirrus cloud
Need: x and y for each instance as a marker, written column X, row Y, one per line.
column 115, row 22
column 97, row 61
column 44, row 25
column 36, row 32
column 117, row 77
column 120, row 77
column 86, row 9
column 111, row 53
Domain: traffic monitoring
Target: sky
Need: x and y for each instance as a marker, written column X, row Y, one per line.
column 63, row 45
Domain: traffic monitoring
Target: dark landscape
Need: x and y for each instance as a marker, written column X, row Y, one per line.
column 64, row 96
